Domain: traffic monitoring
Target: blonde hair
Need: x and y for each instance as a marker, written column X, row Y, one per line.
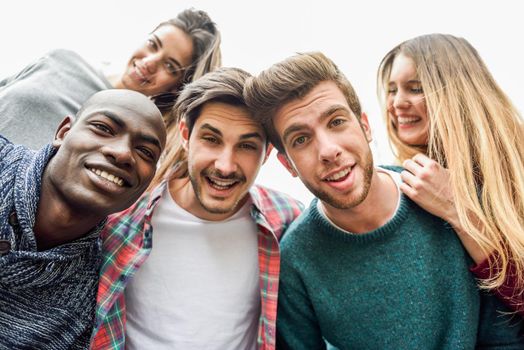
column 476, row 133
column 222, row 85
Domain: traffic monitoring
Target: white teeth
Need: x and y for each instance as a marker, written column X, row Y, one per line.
column 339, row 175
column 141, row 76
column 407, row 120
column 109, row 177
column 222, row 185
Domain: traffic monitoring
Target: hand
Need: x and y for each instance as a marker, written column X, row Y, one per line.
column 428, row 184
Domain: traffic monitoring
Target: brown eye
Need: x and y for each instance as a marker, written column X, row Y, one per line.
column 104, row 128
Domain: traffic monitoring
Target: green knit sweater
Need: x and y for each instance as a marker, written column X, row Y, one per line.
column 405, row 285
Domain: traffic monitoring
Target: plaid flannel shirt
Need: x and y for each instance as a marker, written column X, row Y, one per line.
column 127, row 242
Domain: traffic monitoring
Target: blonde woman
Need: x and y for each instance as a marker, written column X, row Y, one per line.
column 461, row 142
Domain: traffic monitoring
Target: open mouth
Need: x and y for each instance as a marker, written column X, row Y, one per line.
column 339, row 176
column 221, row 184
column 408, row 120
column 109, row 177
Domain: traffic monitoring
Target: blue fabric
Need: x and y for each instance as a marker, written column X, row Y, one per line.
column 47, row 298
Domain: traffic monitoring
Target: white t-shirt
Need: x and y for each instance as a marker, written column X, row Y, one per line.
column 199, row 287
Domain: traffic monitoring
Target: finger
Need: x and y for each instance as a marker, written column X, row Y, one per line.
column 408, row 178
column 422, row 160
column 407, row 190
column 412, row 167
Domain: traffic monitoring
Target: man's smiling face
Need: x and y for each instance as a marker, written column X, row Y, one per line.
column 225, row 151
column 107, row 158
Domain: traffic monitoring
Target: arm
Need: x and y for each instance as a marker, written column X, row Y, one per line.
column 507, row 291
column 7, row 80
column 297, row 327
column 427, row 183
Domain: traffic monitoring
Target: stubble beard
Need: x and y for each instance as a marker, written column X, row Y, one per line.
column 352, row 200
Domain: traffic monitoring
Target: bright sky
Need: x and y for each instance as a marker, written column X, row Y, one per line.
column 356, row 35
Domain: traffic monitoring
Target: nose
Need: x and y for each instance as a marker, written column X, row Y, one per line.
column 120, row 152
column 151, row 62
column 328, row 150
column 400, row 100
column 225, row 162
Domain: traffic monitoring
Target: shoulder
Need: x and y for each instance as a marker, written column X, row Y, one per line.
column 395, row 168
column 272, row 202
column 299, row 230
column 64, row 54
column 10, row 153
column 127, row 221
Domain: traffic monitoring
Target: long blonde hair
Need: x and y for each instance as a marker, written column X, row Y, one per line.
column 477, row 133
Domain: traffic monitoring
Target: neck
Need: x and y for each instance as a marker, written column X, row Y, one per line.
column 56, row 223
column 375, row 211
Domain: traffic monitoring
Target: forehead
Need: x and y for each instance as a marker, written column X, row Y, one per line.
column 176, row 43
column 132, row 116
column 228, row 119
column 403, row 67
column 311, row 107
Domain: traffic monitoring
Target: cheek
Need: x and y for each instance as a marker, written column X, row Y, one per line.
column 422, row 110
column 146, row 171
column 250, row 164
column 166, row 81
column 140, row 52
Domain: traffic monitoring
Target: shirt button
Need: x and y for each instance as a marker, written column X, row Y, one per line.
column 270, row 331
column 5, row 246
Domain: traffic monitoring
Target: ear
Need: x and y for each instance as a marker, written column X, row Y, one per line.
column 63, row 129
column 184, row 132
column 364, row 124
column 287, row 164
column 268, row 151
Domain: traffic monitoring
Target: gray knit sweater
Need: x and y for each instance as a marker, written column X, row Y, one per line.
column 34, row 101
column 47, row 298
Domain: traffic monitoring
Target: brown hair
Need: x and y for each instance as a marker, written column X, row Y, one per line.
column 206, row 50
column 291, row 79
column 222, row 85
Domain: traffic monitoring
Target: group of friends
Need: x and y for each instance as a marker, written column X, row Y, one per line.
column 140, row 225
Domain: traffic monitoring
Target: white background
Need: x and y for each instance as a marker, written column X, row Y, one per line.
column 355, row 34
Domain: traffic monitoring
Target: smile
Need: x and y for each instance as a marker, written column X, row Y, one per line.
column 221, row 184
column 110, row 177
column 407, row 120
column 140, row 75
column 339, row 175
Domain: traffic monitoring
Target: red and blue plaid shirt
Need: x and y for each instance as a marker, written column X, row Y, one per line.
column 127, row 242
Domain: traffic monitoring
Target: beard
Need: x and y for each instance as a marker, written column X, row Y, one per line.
column 352, row 199
column 216, row 208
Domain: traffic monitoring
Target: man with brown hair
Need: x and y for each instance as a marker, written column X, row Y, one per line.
column 211, row 280
column 364, row 267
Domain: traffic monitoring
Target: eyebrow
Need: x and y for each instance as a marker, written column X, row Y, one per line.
column 300, row 126
column 242, row 137
column 170, row 59
column 121, row 124
column 411, row 81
